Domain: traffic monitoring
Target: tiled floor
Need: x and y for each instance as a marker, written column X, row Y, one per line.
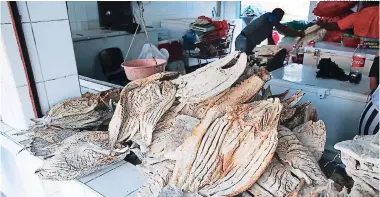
column 118, row 180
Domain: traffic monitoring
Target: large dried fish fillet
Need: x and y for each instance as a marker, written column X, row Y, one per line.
column 138, row 111
column 89, row 111
column 77, row 156
column 166, row 141
column 159, row 175
column 239, row 94
column 277, row 181
column 314, row 33
column 313, row 136
column 211, row 80
column 303, row 164
column 226, row 155
column 300, row 116
column 40, row 146
column 361, row 157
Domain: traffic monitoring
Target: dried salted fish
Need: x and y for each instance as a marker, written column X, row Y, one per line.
column 89, row 111
column 165, row 142
column 293, row 100
column 266, row 50
column 138, row 111
column 313, row 136
column 314, row 33
column 226, row 155
column 239, row 94
column 40, row 145
column 277, row 181
column 159, row 175
column 211, row 80
column 78, row 155
column 361, row 157
column 301, row 161
column 301, row 115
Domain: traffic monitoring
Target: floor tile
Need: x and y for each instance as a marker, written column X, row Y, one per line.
column 99, row 173
column 57, row 194
column 119, row 182
column 5, row 128
column 51, row 187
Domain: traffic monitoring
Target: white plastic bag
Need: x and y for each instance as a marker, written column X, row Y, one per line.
column 148, row 51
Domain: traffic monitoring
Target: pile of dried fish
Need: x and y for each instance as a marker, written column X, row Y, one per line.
column 361, row 157
column 58, row 137
column 208, row 133
column 238, row 144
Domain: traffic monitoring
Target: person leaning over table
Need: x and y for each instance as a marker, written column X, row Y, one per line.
column 369, row 120
column 365, row 22
column 260, row 29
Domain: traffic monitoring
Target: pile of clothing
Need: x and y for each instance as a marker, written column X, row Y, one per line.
column 212, row 37
column 210, row 29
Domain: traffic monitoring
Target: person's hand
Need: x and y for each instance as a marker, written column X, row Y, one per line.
column 301, row 34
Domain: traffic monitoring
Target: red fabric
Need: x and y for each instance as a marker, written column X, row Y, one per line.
column 275, row 37
column 174, row 49
column 333, row 8
column 221, row 27
column 205, row 18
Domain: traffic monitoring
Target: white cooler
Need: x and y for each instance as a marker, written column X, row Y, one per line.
column 339, row 54
column 339, row 104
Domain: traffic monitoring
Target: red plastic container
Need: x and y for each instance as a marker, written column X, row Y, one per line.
column 350, row 42
column 141, row 68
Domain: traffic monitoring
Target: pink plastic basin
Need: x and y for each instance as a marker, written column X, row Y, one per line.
column 141, row 68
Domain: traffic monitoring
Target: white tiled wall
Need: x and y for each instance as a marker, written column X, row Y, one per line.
column 48, row 38
column 155, row 11
column 83, row 15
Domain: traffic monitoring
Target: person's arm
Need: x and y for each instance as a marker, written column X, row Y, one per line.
column 374, row 74
column 329, row 26
column 287, row 30
column 270, row 40
column 346, row 23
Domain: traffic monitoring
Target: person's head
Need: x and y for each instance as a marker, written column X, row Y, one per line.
column 279, row 13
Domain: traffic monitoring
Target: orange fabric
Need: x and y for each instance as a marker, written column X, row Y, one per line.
column 365, row 22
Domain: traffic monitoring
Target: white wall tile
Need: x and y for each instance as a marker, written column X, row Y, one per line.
column 92, row 10
column 26, row 104
column 42, row 96
column 6, row 75
column 71, row 10
column 93, row 25
column 23, row 11
column 13, row 54
column 12, row 113
column 74, row 27
column 61, row 89
column 32, row 50
column 5, row 17
column 55, row 49
column 47, row 10
column 80, row 11
column 83, row 25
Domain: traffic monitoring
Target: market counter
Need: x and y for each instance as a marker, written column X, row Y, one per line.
column 339, row 104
